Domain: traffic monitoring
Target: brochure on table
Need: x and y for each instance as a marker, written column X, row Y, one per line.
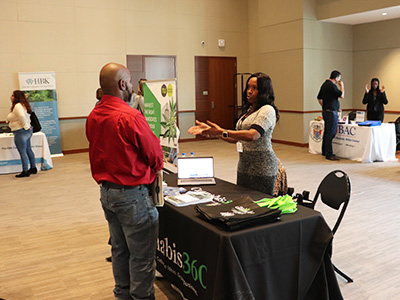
column 190, row 198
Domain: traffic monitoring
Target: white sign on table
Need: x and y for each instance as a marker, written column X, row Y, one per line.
column 361, row 143
column 316, row 136
column 365, row 144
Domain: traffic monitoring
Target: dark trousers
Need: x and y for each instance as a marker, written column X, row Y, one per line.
column 375, row 116
column 331, row 122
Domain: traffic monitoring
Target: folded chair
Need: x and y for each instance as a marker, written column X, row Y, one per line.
column 334, row 190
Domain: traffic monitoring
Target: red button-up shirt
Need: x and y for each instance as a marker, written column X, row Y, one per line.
column 122, row 147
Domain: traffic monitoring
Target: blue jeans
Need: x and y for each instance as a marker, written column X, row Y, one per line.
column 331, row 122
column 133, row 225
column 22, row 140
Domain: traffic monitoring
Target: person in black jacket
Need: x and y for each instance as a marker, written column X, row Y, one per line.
column 375, row 98
column 328, row 97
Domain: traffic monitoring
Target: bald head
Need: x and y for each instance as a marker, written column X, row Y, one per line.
column 115, row 80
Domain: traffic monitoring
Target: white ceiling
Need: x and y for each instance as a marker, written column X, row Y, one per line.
column 367, row 17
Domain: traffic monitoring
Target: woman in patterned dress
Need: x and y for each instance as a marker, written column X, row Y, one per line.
column 258, row 164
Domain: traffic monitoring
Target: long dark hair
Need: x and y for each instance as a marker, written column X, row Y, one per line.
column 265, row 93
column 19, row 97
column 378, row 90
column 140, row 86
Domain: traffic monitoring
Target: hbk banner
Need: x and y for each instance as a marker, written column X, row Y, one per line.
column 40, row 88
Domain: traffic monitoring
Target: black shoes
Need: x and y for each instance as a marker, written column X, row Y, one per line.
column 27, row 174
column 32, row 171
column 333, row 158
column 23, row 174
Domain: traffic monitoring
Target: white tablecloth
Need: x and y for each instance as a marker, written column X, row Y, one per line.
column 10, row 161
column 361, row 143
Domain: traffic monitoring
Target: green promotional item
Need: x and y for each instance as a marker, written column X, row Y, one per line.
column 284, row 203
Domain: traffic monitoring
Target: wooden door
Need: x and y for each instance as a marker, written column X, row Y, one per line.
column 215, row 90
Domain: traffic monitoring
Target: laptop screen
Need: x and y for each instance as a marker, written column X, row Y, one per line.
column 195, row 167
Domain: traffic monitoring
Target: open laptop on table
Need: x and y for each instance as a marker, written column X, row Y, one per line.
column 195, row 170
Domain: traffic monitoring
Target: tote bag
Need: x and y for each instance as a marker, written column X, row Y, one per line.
column 35, row 122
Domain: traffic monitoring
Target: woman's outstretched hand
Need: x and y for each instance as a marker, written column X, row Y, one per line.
column 208, row 129
column 199, row 128
column 214, row 130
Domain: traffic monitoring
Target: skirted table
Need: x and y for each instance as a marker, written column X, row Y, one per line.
column 360, row 143
column 286, row 259
column 10, row 161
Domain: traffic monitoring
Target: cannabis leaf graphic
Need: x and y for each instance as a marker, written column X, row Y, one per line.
column 169, row 123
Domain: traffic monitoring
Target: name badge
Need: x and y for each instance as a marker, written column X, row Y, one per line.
column 239, row 147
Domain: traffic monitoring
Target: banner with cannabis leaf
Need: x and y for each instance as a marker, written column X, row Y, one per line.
column 160, row 110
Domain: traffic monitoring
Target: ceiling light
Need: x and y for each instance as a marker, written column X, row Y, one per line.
column 384, row 14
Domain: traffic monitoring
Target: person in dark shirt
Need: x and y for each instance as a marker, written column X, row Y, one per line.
column 328, row 97
column 375, row 98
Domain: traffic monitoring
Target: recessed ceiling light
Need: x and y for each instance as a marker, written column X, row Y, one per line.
column 384, row 14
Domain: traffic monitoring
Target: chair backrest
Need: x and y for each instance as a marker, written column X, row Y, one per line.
column 352, row 115
column 397, row 127
column 5, row 129
column 335, row 190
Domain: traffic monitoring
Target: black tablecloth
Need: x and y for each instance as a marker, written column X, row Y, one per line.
column 285, row 260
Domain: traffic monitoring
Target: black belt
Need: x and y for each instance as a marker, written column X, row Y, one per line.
column 330, row 110
column 111, row 185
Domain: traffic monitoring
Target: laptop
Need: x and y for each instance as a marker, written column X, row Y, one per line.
column 195, row 170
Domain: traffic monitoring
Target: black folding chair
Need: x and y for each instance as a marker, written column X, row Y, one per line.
column 335, row 191
column 397, row 128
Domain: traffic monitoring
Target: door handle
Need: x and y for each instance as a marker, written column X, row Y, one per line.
column 212, row 105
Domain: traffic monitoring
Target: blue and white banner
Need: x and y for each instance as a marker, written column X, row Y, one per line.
column 40, row 88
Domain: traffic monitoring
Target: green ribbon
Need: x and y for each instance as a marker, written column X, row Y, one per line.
column 284, row 203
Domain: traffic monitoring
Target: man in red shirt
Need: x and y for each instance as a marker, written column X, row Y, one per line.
column 125, row 157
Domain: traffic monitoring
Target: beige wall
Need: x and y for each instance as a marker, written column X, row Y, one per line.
column 327, row 47
column 336, row 8
column 276, row 42
column 75, row 38
column 298, row 52
column 377, row 54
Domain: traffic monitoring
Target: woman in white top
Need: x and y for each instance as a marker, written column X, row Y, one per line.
column 20, row 124
column 139, row 99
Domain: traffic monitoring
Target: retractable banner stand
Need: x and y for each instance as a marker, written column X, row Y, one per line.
column 40, row 88
column 160, row 111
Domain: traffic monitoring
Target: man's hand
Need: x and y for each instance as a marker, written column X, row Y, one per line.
column 341, row 84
